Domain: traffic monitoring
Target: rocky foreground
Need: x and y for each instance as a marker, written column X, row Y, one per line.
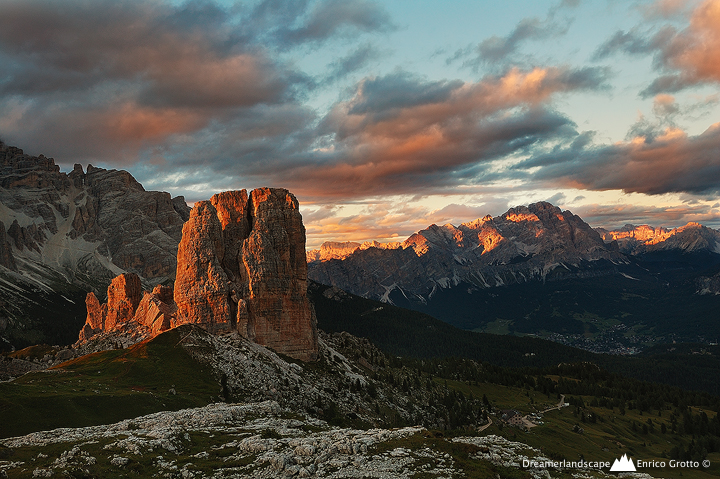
column 261, row 440
column 273, row 418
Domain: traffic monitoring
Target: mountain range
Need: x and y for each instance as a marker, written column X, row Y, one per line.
column 63, row 234
column 543, row 271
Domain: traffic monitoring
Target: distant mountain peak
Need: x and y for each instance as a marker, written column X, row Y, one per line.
column 641, row 239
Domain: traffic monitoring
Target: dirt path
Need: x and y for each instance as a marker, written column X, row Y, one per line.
column 559, row 405
column 481, row 429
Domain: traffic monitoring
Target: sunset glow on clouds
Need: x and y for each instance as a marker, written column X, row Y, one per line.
column 381, row 117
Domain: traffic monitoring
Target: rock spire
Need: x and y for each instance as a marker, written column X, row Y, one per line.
column 241, row 266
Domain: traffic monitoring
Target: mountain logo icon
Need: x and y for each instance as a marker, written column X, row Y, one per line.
column 623, row 465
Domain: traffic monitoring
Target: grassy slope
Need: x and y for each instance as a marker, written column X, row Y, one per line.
column 106, row 387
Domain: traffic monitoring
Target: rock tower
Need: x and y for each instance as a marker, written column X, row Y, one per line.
column 241, row 266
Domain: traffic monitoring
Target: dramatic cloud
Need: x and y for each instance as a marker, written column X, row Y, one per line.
column 346, row 105
column 660, row 162
column 686, row 57
column 400, row 133
column 108, row 81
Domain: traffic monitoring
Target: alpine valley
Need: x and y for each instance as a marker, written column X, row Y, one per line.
column 144, row 338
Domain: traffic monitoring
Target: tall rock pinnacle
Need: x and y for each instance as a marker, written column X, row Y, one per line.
column 241, row 265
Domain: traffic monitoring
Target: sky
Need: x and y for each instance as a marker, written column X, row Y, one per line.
column 382, row 117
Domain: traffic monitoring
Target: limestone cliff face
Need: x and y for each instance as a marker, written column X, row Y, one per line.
column 241, row 265
column 86, row 225
column 6, row 256
column 201, row 284
column 278, row 310
column 128, row 308
column 692, row 237
column 156, row 310
column 124, row 295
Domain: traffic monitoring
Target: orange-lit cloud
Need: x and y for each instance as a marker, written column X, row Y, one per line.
column 685, row 57
column 399, row 132
column 107, row 81
column 696, row 50
column 660, row 162
column 195, row 97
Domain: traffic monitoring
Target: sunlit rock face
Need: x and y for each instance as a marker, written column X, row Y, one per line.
column 242, row 265
column 201, row 284
column 526, row 243
column 692, row 237
column 128, row 307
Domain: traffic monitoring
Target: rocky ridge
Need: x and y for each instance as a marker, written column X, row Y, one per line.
column 96, row 222
column 537, row 242
column 62, row 234
column 263, row 440
column 280, row 421
column 692, row 237
column 351, row 378
column 336, row 250
column 129, row 309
